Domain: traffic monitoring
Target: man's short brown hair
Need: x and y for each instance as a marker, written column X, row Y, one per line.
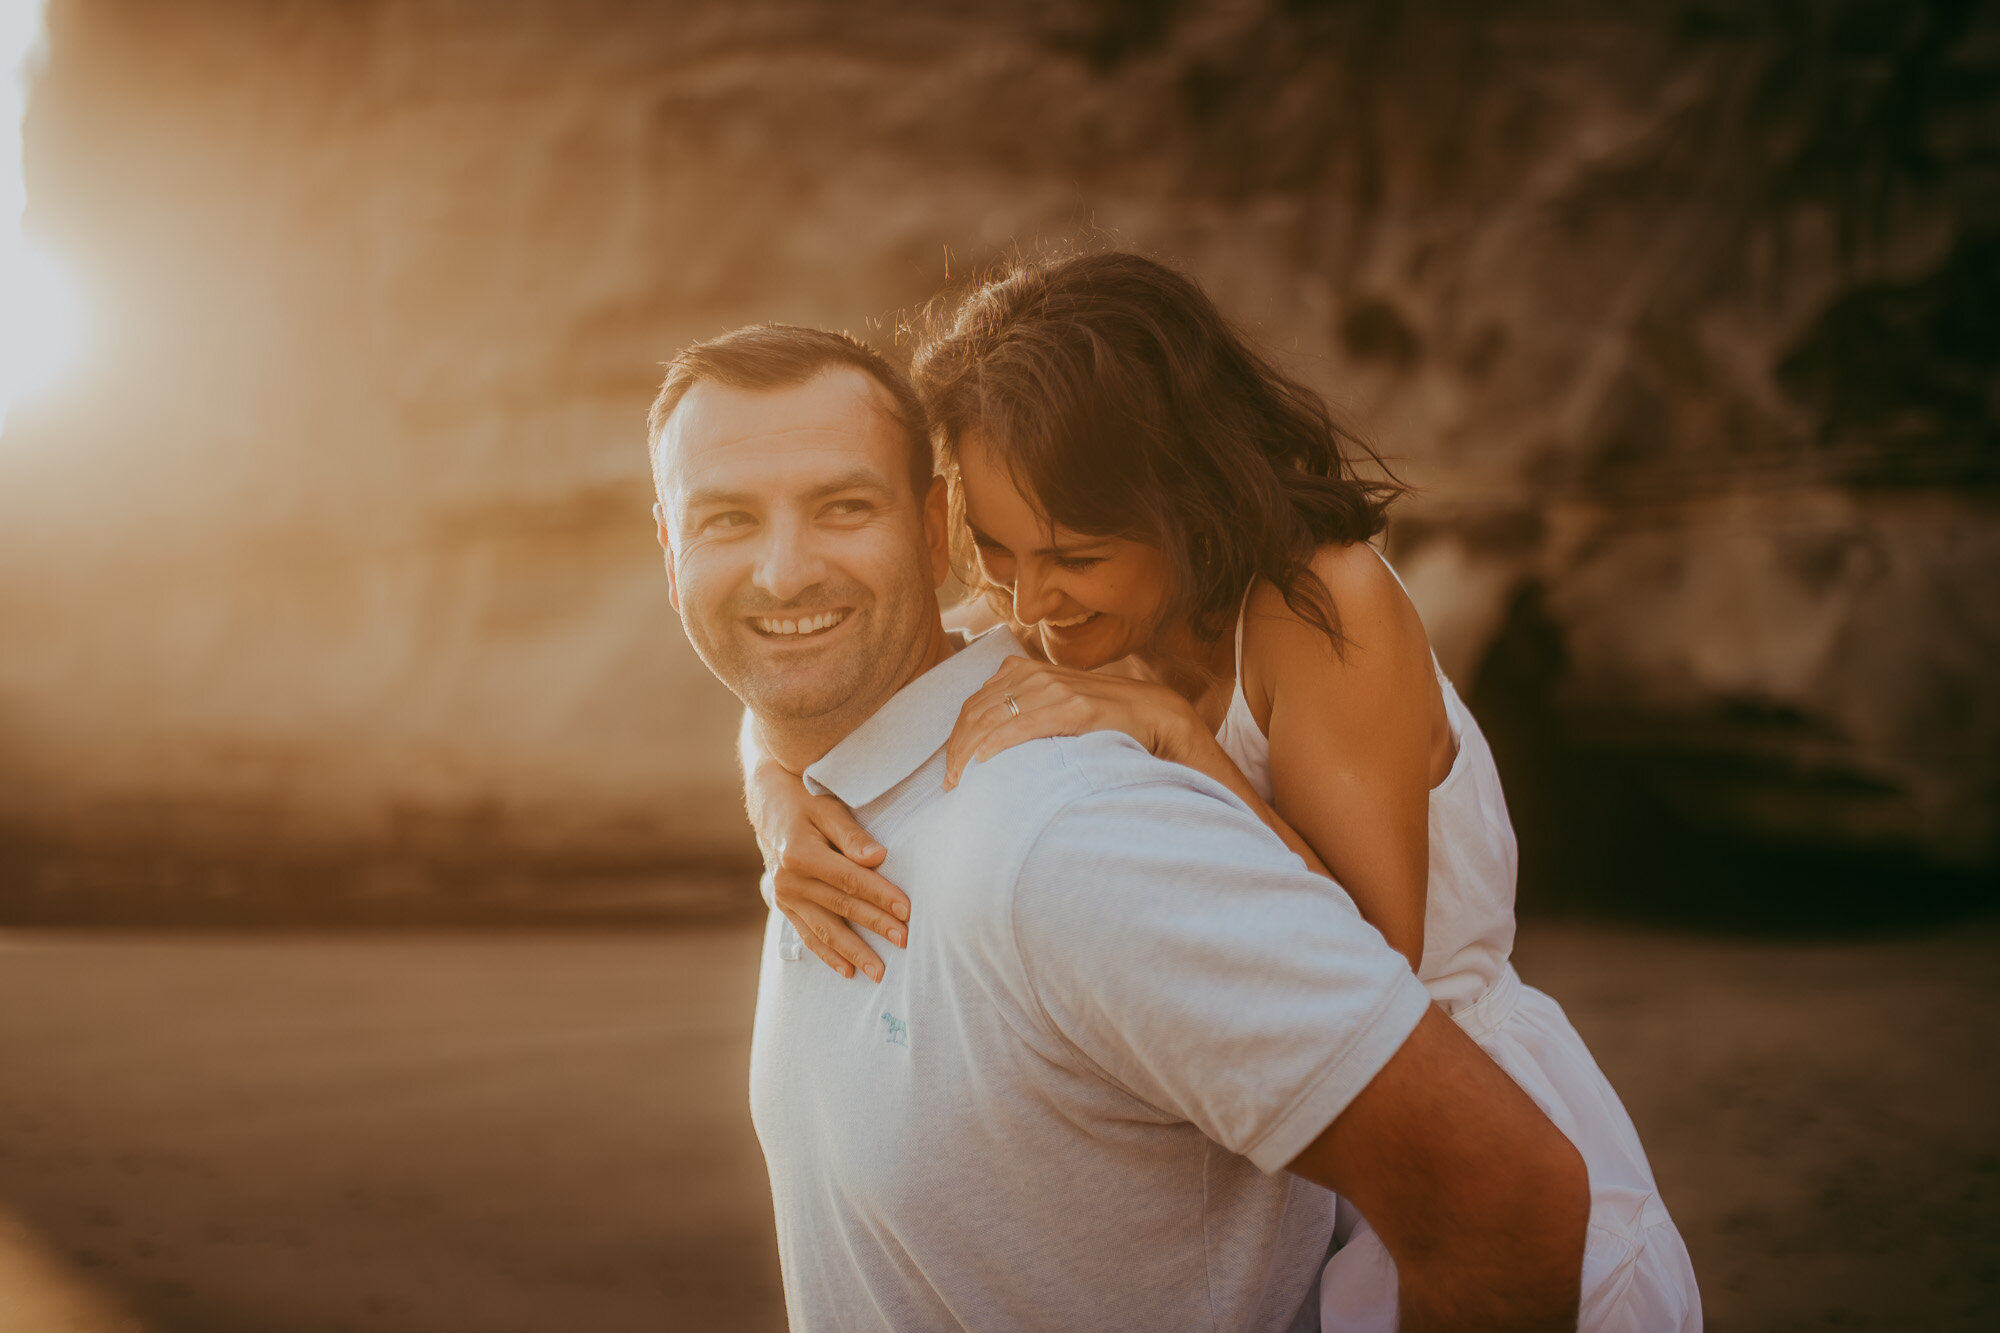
column 778, row 356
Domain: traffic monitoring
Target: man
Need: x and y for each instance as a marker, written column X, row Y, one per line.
column 1131, row 1037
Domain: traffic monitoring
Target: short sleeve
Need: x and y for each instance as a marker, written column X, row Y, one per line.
column 1181, row 948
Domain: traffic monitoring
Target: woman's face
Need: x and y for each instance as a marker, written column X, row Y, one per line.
column 1092, row 600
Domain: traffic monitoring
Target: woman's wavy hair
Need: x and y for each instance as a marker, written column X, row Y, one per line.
column 1125, row 405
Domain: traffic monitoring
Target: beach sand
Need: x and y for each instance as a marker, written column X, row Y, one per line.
column 491, row 1132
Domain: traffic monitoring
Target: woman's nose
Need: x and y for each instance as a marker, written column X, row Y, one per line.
column 1033, row 598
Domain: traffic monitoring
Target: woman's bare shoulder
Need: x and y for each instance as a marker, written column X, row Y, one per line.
column 1373, row 610
column 1381, row 636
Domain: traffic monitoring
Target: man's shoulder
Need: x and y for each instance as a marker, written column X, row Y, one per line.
column 1047, row 775
column 1102, row 788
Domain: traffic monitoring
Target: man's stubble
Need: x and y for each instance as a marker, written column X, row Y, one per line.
column 835, row 690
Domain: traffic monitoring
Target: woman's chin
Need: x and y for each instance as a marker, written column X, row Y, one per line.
column 1085, row 649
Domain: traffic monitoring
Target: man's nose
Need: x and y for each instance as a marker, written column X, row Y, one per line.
column 791, row 561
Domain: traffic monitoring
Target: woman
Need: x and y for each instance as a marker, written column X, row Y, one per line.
column 1173, row 524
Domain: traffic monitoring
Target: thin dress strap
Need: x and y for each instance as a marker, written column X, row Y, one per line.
column 1436, row 670
column 1243, row 610
column 1391, row 568
column 1242, row 739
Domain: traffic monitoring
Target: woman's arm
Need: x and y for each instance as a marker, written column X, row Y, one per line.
column 1062, row 701
column 1202, row 752
column 1358, row 738
column 821, row 863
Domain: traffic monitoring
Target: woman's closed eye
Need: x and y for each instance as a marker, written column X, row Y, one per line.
column 996, row 558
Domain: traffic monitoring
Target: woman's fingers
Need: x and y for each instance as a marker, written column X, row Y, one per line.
column 828, row 878
column 958, row 747
column 1025, row 701
column 813, row 872
column 965, row 732
column 1034, row 726
column 1046, row 708
column 844, row 831
column 821, row 950
column 862, row 853
column 822, row 881
column 832, row 896
column 975, row 723
column 814, row 852
column 834, row 943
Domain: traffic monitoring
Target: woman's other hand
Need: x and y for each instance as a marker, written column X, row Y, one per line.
column 823, row 876
column 1050, row 700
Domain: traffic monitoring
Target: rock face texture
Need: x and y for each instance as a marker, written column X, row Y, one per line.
column 1681, row 317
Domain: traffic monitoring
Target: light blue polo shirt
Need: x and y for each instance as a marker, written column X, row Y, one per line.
column 1124, row 1008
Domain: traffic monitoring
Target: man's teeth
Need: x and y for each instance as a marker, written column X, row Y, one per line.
column 810, row 625
column 1070, row 624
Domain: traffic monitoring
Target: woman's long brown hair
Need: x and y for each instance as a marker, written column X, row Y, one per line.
column 1124, row 404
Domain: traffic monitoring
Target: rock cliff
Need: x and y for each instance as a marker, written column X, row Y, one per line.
column 1681, row 317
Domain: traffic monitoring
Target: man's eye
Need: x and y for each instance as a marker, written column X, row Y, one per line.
column 735, row 518
column 848, row 508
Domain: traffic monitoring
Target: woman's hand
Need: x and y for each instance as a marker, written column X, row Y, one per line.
column 1050, row 700
column 822, row 872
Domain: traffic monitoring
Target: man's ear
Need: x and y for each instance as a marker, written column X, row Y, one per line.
column 667, row 545
column 937, row 531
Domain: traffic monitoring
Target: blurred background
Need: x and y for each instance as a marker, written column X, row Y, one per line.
column 329, row 595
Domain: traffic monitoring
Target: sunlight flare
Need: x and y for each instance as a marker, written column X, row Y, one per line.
column 41, row 317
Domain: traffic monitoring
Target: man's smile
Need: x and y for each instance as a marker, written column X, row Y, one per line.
column 796, row 628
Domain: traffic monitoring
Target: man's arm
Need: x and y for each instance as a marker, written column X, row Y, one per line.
column 1480, row 1200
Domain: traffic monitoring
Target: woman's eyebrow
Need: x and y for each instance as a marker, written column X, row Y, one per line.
column 984, row 540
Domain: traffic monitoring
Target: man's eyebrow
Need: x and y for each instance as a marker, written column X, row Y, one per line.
column 710, row 496
column 857, row 479
column 982, row 539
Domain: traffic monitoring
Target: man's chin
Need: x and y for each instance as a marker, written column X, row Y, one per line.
column 802, row 695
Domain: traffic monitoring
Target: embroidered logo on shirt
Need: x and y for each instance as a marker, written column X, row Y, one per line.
column 899, row 1031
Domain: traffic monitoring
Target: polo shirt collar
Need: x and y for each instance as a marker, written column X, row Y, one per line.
column 911, row 727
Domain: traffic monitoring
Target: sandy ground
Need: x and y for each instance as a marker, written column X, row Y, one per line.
column 483, row 1134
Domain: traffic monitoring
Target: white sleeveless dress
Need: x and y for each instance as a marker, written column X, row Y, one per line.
column 1637, row 1277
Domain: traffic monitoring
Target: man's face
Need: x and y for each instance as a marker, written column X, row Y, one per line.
column 802, row 565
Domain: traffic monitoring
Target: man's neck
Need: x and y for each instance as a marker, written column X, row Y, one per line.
column 798, row 745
